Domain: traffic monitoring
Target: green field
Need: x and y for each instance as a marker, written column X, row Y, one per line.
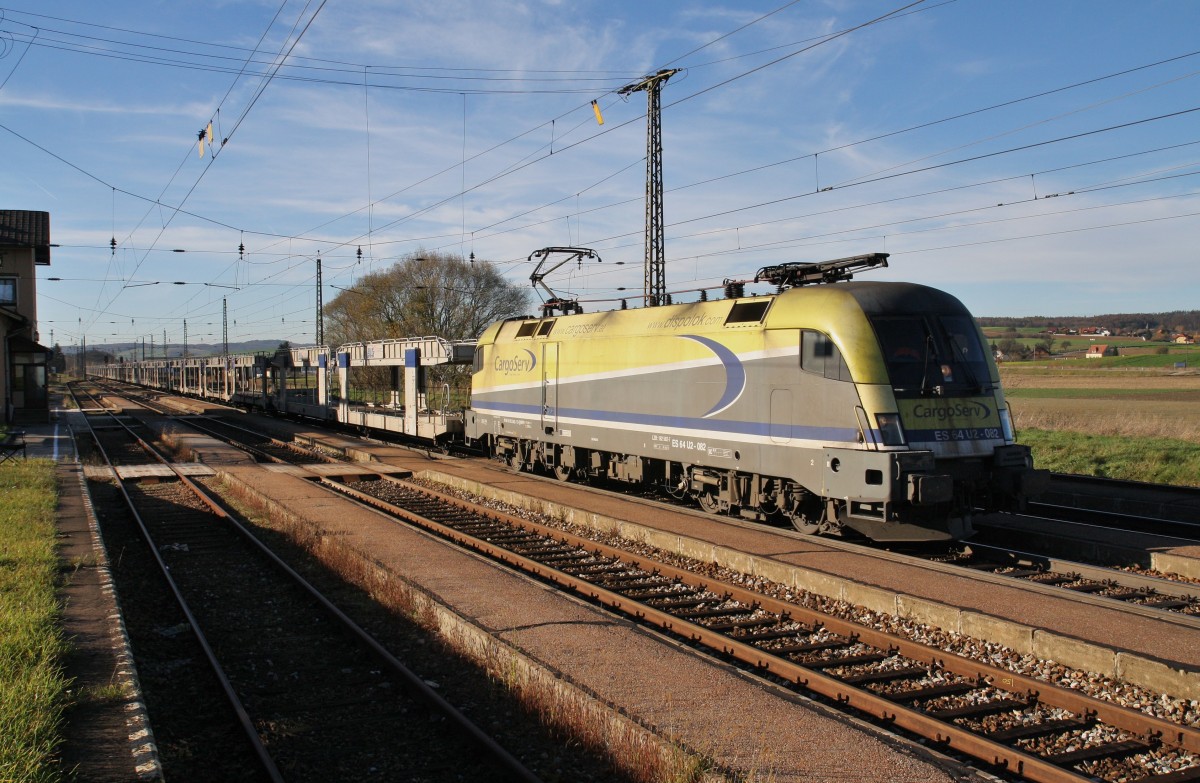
column 1141, row 425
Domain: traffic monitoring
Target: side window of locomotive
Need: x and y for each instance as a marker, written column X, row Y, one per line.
column 527, row 329
column 545, row 329
column 748, row 312
column 819, row 355
column 477, row 364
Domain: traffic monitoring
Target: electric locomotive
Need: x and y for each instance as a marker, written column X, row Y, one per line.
column 841, row 406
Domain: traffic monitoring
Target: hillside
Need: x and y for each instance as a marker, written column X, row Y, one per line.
column 134, row 350
column 1187, row 321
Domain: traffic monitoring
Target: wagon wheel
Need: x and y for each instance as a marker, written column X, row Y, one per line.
column 562, row 472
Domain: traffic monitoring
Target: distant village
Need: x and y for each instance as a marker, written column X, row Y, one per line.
column 1014, row 339
column 1146, row 335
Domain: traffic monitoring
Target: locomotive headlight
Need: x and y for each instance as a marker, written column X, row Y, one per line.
column 890, row 429
column 1006, row 425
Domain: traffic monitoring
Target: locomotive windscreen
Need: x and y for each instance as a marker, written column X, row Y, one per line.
column 932, row 355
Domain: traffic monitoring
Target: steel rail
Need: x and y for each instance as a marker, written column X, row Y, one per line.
column 243, row 718
column 411, row 680
column 210, row 426
column 944, row 734
column 1133, row 581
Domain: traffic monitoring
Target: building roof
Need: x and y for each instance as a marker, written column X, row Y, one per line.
column 26, row 228
column 19, row 344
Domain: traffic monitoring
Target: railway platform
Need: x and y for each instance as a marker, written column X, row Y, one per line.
column 744, row 724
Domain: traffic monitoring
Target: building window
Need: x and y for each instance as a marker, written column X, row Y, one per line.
column 8, row 291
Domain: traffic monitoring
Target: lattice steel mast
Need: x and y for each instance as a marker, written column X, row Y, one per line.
column 655, row 290
column 320, row 335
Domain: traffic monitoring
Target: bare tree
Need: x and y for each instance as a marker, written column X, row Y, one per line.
column 424, row 294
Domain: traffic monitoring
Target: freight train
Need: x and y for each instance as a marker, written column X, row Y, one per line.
column 840, row 406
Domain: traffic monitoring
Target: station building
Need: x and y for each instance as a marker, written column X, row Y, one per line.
column 24, row 246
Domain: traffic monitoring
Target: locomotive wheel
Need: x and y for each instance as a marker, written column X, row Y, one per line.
column 808, row 516
column 562, row 473
column 803, row 525
column 709, row 502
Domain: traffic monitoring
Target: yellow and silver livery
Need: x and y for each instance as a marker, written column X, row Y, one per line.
column 866, row 405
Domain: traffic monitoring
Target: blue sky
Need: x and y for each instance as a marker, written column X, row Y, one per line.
column 1029, row 157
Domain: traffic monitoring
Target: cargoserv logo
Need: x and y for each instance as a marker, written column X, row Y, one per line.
column 967, row 409
column 516, row 365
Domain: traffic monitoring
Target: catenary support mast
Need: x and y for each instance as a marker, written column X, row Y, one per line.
column 655, row 290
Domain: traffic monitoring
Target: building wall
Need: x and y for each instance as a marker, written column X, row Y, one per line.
column 21, row 319
column 18, row 261
column 5, row 380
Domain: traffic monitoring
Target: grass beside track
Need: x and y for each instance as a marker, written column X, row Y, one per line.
column 32, row 685
column 1109, row 422
column 1153, row 460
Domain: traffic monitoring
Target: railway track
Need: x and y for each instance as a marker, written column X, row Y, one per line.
column 1147, row 595
column 315, row 697
column 1000, row 719
column 1147, row 509
column 1142, row 594
column 1084, row 724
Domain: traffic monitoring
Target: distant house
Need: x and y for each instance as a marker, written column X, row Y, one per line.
column 24, row 246
column 1181, row 339
column 1098, row 350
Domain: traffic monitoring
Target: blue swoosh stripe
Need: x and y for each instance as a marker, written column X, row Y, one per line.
column 735, row 373
column 728, row 427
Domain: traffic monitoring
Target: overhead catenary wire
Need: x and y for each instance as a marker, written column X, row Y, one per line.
column 372, row 233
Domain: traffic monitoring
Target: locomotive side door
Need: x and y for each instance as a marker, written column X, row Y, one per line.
column 549, row 388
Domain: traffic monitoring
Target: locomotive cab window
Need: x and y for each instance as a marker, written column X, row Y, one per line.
column 939, row 355
column 820, row 356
